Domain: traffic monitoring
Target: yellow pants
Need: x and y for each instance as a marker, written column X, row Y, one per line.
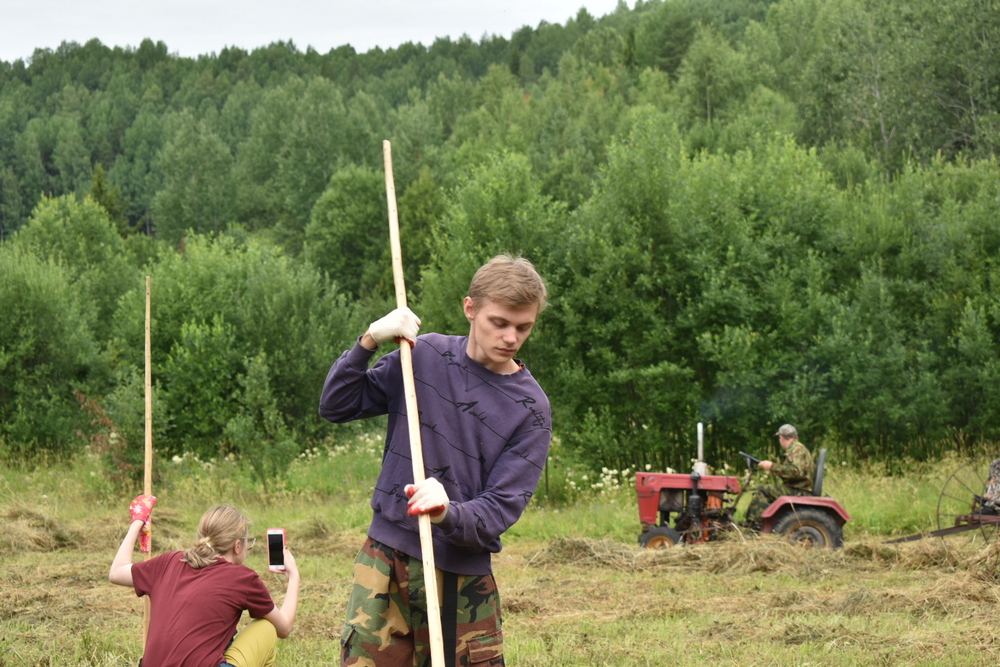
column 254, row 646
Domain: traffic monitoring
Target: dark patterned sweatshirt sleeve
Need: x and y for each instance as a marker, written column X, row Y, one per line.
column 352, row 390
column 478, row 523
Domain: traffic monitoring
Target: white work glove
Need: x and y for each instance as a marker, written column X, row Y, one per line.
column 397, row 325
column 427, row 497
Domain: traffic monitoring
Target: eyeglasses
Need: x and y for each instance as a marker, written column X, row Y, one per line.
column 250, row 542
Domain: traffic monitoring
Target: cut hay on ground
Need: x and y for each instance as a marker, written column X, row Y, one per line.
column 586, row 552
column 985, row 565
column 772, row 553
column 763, row 554
column 27, row 529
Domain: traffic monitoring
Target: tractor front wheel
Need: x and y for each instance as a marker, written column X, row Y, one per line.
column 660, row 537
column 810, row 527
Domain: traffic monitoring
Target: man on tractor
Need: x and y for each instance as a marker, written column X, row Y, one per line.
column 991, row 496
column 795, row 475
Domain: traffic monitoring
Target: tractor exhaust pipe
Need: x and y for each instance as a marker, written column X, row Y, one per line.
column 700, row 466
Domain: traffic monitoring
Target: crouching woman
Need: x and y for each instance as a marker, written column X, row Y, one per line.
column 197, row 596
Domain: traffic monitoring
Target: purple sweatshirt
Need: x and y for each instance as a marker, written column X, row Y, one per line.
column 484, row 436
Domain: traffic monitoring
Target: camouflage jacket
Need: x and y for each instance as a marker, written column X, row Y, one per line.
column 991, row 496
column 798, row 470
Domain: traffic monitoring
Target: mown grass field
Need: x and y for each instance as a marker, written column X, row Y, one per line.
column 576, row 588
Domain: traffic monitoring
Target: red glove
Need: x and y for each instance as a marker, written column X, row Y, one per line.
column 145, row 537
column 427, row 497
column 141, row 508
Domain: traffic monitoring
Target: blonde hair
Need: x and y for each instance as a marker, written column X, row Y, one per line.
column 511, row 281
column 219, row 529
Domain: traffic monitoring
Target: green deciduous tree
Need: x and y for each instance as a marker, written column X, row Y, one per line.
column 689, row 294
column 80, row 236
column 137, row 169
column 11, row 210
column 109, row 197
column 258, row 432
column 498, row 207
column 312, row 140
column 46, row 351
column 713, row 77
column 219, row 304
column 197, row 191
column 200, row 374
column 31, row 149
column 258, row 202
column 421, row 208
column 664, row 35
column 348, row 235
column 70, row 157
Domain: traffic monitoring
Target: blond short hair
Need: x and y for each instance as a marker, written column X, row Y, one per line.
column 511, row 281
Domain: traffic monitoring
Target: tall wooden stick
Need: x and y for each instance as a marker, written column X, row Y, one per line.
column 413, row 420
column 147, row 480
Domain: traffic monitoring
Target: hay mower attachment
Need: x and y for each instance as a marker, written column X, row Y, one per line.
column 962, row 506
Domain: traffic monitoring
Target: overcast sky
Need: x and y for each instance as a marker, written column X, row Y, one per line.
column 197, row 27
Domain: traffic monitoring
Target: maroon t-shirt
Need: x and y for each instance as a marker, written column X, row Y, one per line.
column 193, row 613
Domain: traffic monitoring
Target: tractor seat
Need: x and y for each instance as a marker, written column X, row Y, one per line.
column 820, row 464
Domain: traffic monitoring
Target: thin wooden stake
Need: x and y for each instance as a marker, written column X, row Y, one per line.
column 413, row 421
column 147, row 480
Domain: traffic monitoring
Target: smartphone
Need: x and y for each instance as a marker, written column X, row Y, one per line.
column 276, row 549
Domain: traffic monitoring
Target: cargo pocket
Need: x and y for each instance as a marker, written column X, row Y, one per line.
column 486, row 649
column 346, row 635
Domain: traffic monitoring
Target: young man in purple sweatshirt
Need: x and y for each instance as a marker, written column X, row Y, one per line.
column 485, row 430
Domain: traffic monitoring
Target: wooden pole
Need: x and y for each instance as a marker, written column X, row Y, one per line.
column 147, row 480
column 413, row 420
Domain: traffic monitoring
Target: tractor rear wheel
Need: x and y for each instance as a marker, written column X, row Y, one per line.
column 810, row 527
column 660, row 537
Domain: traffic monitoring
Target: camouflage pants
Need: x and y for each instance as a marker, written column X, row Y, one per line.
column 764, row 495
column 387, row 614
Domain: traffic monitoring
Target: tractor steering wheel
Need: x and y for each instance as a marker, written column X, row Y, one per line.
column 752, row 461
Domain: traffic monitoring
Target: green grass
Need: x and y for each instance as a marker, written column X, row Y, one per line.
column 575, row 587
column 881, row 504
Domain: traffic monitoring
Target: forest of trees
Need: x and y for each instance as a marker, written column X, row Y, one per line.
column 749, row 212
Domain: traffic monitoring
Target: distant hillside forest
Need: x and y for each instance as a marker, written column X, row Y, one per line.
column 749, row 212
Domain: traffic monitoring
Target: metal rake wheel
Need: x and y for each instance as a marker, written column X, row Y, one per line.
column 960, row 500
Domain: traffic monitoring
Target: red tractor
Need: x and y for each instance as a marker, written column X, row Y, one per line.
column 688, row 509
